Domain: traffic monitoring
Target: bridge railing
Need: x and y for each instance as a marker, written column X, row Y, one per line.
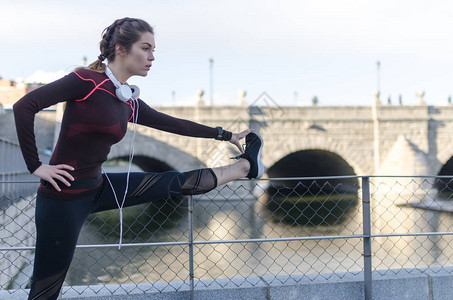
column 269, row 228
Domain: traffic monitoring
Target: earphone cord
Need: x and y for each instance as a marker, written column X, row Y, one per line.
column 135, row 108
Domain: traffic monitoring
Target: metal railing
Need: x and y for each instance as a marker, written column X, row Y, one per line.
column 310, row 227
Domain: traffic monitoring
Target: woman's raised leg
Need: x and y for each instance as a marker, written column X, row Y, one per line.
column 232, row 172
column 249, row 164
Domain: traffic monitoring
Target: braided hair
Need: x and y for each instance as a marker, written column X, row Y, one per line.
column 124, row 32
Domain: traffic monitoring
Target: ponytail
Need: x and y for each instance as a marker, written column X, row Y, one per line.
column 97, row 66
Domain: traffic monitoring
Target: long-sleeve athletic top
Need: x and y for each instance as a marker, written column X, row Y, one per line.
column 94, row 119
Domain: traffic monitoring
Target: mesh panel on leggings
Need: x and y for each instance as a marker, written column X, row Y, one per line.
column 47, row 288
column 148, row 181
column 199, row 182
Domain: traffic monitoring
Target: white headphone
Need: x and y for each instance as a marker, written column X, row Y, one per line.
column 124, row 92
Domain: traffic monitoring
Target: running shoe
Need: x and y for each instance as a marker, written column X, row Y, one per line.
column 252, row 153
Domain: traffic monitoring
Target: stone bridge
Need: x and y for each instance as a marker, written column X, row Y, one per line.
column 298, row 141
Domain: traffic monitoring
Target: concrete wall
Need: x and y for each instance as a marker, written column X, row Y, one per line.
column 391, row 284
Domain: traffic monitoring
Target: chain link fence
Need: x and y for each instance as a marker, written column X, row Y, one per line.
column 314, row 227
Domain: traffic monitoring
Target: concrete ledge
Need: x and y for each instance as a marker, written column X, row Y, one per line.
column 441, row 281
column 326, row 286
column 433, row 283
column 403, row 284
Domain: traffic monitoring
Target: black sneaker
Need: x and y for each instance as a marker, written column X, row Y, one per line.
column 253, row 146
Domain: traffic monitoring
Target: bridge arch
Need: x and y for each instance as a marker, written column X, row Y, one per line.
column 308, row 201
column 347, row 153
column 151, row 154
column 310, row 163
column 445, row 161
column 146, row 163
column 314, row 163
column 445, row 185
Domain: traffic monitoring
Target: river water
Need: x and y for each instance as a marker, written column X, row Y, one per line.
column 234, row 217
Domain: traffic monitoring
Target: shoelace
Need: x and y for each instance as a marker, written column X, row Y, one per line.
column 240, row 155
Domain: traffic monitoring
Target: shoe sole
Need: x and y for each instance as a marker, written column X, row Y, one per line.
column 260, row 163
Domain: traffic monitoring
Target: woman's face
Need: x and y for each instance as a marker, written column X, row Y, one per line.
column 138, row 60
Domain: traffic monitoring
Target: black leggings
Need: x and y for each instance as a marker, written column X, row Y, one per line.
column 58, row 222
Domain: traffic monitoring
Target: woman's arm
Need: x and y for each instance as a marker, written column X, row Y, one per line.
column 67, row 88
column 152, row 118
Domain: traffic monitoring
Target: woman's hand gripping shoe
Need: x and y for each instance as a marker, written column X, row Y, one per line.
column 252, row 153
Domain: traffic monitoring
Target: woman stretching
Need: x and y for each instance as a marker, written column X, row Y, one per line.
column 99, row 105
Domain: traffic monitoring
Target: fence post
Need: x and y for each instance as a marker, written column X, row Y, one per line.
column 367, row 237
column 2, row 166
column 191, row 271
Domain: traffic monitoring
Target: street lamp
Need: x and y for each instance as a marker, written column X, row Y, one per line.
column 211, row 96
column 378, row 76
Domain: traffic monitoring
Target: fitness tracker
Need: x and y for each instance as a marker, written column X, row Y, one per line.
column 219, row 137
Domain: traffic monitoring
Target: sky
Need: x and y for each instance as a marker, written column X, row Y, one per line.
column 292, row 50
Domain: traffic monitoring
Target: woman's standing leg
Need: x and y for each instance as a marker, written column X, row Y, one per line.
column 58, row 224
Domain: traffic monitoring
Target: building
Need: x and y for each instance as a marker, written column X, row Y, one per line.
column 11, row 91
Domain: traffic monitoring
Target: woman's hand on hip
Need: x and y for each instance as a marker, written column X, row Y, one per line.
column 236, row 137
column 58, row 172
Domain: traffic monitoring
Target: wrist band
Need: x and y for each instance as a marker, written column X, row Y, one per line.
column 219, row 136
column 227, row 135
